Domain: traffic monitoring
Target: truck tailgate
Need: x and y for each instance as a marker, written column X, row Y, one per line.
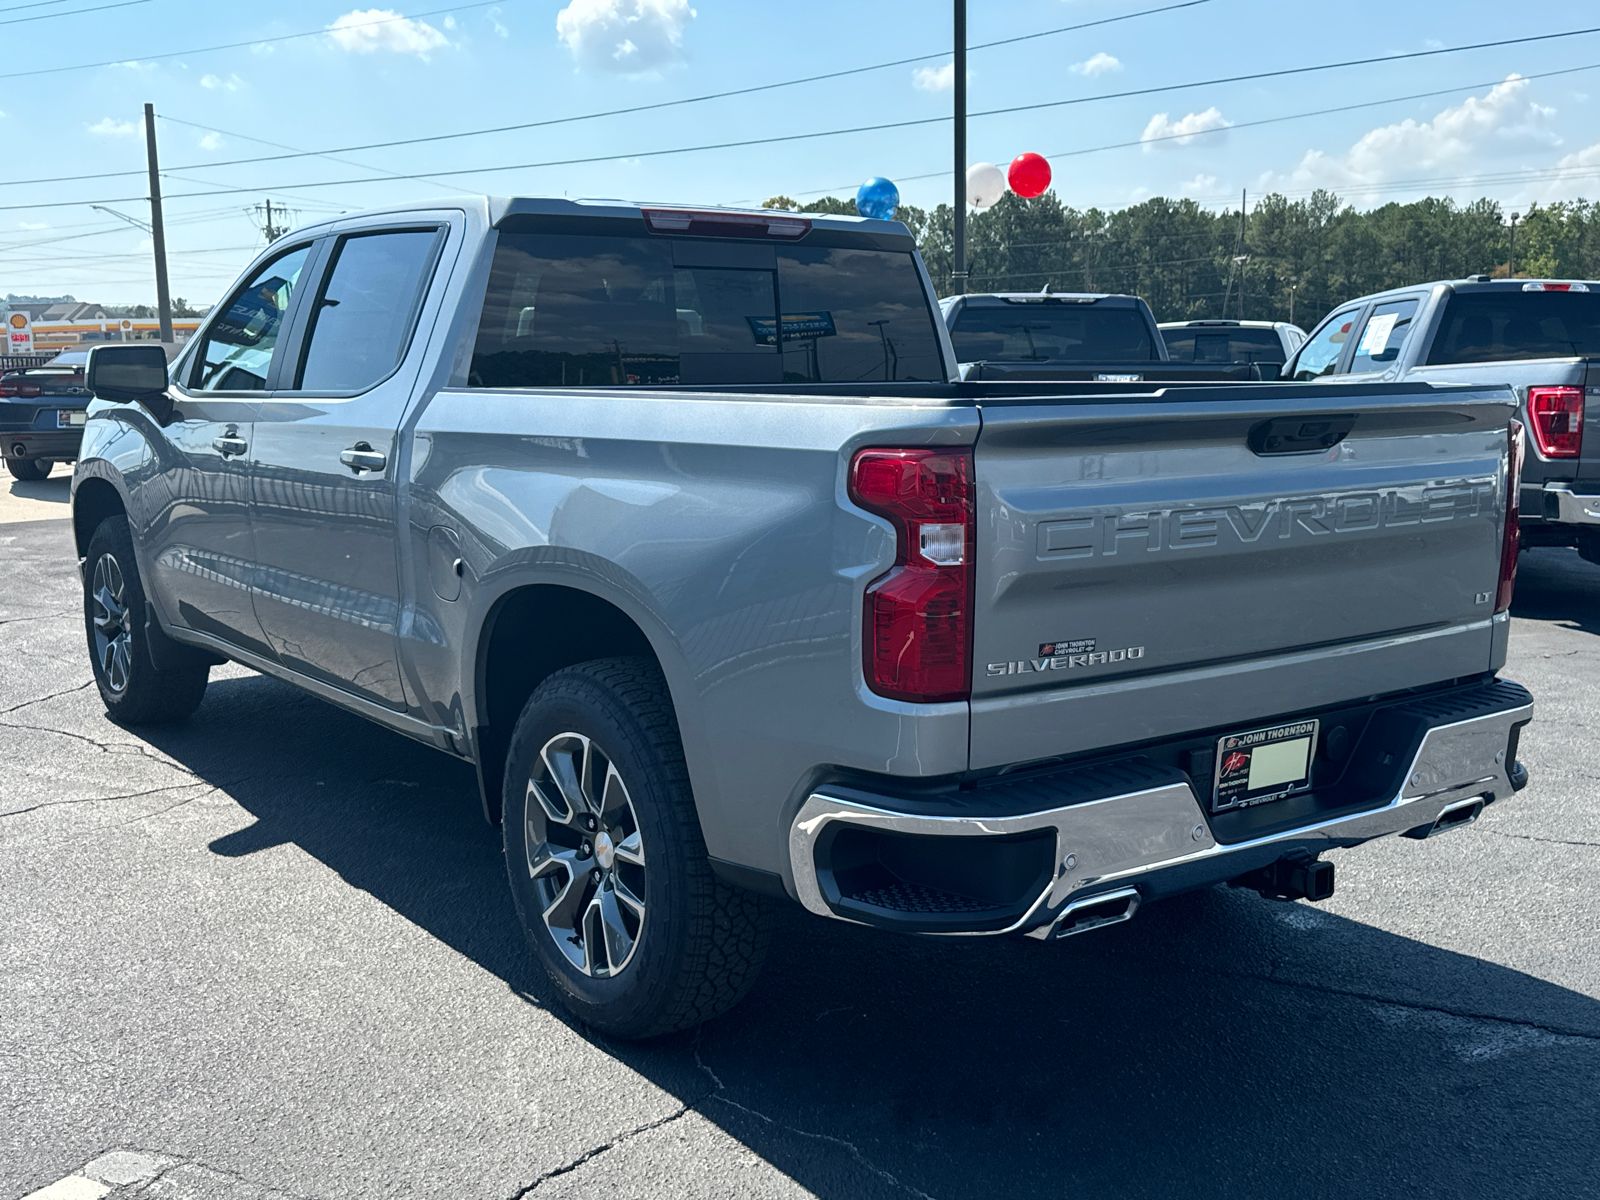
column 1156, row 567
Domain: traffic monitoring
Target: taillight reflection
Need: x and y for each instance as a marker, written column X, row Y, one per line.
column 1511, row 539
column 918, row 618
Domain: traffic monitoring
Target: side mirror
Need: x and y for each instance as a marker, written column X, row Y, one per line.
column 130, row 375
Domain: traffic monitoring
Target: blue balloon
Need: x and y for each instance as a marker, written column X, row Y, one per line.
column 877, row 197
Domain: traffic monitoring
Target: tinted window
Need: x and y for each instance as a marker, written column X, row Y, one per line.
column 1384, row 333
column 363, row 316
column 1223, row 344
column 1320, row 355
column 1039, row 332
column 579, row 310
column 238, row 348
column 1495, row 326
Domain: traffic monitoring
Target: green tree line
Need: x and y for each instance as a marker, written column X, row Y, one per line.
column 1188, row 262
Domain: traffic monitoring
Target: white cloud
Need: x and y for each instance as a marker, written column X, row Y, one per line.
column 1200, row 185
column 628, row 37
column 1163, row 131
column 33, row 225
column 232, row 83
column 1097, row 64
column 493, row 17
column 1502, row 122
column 934, row 79
column 449, row 22
column 367, row 31
column 108, row 127
column 134, row 64
column 211, row 141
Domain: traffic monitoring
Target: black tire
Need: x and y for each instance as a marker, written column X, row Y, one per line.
column 135, row 693
column 1589, row 545
column 697, row 943
column 30, row 470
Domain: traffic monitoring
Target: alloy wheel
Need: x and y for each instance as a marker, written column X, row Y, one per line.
column 113, row 639
column 585, row 855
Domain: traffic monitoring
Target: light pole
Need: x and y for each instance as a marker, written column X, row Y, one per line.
column 958, row 264
column 1511, row 259
column 1293, row 283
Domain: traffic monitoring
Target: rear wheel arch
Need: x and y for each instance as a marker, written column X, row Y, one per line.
column 92, row 502
column 529, row 633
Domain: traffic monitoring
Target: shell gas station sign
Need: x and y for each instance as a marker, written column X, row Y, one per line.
column 19, row 333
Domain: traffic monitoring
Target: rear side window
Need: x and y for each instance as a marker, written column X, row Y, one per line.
column 581, row 310
column 1320, row 355
column 1223, row 345
column 1495, row 326
column 1386, row 330
column 238, row 348
column 362, row 319
column 1051, row 332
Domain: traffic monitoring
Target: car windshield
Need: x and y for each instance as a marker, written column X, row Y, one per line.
column 1051, row 331
column 1202, row 343
column 1496, row 326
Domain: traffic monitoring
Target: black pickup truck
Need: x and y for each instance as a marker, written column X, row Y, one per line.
column 1541, row 337
column 1078, row 337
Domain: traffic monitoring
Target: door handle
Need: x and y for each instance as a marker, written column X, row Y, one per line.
column 229, row 444
column 362, row 457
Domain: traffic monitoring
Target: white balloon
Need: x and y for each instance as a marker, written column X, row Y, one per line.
column 986, row 183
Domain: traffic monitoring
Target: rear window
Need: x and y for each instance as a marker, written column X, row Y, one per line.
column 581, row 310
column 1202, row 344
column 1497, row 326
column 1044, row 332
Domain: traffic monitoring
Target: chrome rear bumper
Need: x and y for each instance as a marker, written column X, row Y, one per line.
column 1158, row 840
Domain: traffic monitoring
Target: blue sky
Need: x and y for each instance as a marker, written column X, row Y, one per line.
column 371, row 78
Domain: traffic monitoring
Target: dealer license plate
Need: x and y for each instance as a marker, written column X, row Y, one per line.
column 66, row 418
column 1263, row 765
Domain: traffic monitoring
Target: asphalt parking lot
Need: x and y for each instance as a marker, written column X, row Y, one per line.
column 270, row 952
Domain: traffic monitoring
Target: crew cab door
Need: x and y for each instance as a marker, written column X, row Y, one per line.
column 195, row 500
column 324, row 484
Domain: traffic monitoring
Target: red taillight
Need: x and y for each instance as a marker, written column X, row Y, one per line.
column 711, row 223
column 1511, row 540
column 917, row 633
column 1557, row 417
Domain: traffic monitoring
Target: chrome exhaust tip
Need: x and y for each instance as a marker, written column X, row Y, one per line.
column 1452, row 816
column 1095, row 912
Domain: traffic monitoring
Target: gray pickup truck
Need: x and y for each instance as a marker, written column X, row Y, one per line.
column 679, row 525
column 1540, row 337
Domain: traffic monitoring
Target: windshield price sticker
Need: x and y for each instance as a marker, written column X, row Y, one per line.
column 1264, row 764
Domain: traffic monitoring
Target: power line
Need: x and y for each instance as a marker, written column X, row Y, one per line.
column 74, row 13
column 612, row 112
column 35, row 4
column 285, row 37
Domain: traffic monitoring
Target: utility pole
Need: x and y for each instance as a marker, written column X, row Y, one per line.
column 158, row 232
column 270, row 228
column 1293, row 283
column 1244, row 199
column 1511, row 259
column 958, row 271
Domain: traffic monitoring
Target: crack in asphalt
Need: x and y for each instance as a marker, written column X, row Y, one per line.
column 139, row 748
column 717, row 1087
column 1528, row 837
column 1460, row 1014
column 174, row 787
column 51, row 696
column 40, row 617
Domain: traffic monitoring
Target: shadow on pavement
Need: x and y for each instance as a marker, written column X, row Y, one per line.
column 1219, row 1045
column 1556, row 585
column 56, row 490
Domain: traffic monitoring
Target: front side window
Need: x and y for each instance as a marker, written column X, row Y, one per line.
column 362, row 320
column 1320, row 355
column 1042, row 331
column 236, row 355
column 582, row 310
column 1383, row 335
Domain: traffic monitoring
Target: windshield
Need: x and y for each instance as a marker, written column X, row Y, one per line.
column 1202, row 343
column 1041, row 332
column 1497, row 326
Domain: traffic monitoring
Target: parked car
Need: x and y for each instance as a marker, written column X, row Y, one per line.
column 1541, row 337
column 1066, row 336
column 1231, row 341
column 42, row 414
column 729, row 602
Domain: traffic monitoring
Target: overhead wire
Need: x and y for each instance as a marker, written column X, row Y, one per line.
column 77, row 12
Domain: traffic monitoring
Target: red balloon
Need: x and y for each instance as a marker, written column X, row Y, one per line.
column 1029, row 175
